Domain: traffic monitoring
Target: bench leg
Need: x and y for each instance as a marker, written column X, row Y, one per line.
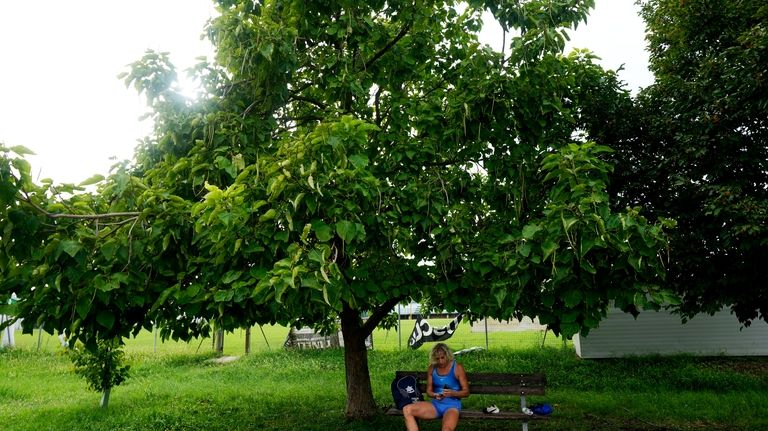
column 522, row 408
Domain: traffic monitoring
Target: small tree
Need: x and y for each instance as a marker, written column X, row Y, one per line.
column 102, row 368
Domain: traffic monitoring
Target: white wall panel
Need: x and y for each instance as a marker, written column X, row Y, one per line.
column 620, row 334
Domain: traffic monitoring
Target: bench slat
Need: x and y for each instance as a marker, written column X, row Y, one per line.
column 496, row 390
column 505, row 390
column 493, row 383
column 476, row 414
column 497, row 378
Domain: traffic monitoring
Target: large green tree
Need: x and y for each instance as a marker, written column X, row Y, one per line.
column 347, row 156
column 695, row 147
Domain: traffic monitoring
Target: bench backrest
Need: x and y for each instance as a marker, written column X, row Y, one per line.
column 492, row 383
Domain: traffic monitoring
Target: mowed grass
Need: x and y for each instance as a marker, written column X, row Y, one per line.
column 178, row 389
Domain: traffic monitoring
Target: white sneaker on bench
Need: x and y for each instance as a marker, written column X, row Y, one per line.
column 491, row 409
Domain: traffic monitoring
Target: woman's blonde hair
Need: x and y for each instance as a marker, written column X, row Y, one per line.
column 440, row 347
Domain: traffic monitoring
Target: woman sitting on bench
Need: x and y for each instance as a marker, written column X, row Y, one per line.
column 446, row 385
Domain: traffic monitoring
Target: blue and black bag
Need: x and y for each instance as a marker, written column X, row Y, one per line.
column 405, row 390
column 542, row 409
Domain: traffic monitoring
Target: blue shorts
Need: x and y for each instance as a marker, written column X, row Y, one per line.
column 442, row 406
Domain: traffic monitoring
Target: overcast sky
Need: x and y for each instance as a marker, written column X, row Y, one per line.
column 60, row 96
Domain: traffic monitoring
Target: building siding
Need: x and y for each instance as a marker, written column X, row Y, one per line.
column 620, row 334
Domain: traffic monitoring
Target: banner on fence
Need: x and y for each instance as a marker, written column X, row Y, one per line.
column 423, row 332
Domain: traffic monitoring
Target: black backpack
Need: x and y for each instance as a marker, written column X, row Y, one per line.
column 405, row 390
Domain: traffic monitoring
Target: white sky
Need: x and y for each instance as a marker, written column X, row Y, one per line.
column 59, row 61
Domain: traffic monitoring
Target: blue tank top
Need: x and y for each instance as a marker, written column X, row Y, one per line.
column 449, row 380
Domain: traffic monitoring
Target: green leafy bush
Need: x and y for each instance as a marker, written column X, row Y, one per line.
column 102, row 368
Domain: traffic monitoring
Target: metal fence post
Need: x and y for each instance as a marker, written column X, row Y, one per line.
column 399, row 327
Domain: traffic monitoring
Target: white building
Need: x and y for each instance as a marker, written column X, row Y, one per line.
column 660, row 332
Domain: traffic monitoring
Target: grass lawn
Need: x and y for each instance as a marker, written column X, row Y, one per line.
column 178, row 389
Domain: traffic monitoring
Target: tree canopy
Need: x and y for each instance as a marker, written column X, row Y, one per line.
column 347, row 156
column 695, row 148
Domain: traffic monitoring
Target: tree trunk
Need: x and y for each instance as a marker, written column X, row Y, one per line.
column 105, row 398
column 219, row 341
column 248, row 340
column 360, row 402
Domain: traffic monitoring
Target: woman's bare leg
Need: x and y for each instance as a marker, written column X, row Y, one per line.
column 419, row 410
column 450, row 420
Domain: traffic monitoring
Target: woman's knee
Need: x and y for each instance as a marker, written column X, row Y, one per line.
column 408, row 410
column 450, row 420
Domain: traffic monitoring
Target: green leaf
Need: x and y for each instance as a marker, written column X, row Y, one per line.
column 359, row 160
column 586, row 245
column 568, row 330
column 22, row 165
column 530, row 230
column 21, row 150
column 547, row 248
column 105, row 318
column 297, row 200
column 108, row 249
column 83, row 306
column 500, row 294
column 567, row 223
column 269, row 215
column 70, row 247
column 223, row 295
column 92, row 180
column 266, row 51
column 226, row 219
column 323, row 232
column 310, row 282
column 569, row 316
column 572, row 298
column 346, row 230
column 587, row 266
column 109, row 285
column 325, row 295
column 230, row 276
column 161, row 299
column 317, row 255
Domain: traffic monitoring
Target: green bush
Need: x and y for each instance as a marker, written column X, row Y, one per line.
column 102, row 368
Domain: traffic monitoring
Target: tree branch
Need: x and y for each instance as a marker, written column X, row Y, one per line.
column 78, row 216
column 389, row 46
column 93, row 216
column 317, row 103
column 380, row 313
column 377, row 107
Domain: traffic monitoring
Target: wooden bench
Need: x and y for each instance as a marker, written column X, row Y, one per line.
column 520, row 385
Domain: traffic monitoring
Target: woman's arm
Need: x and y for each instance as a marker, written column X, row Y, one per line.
column 430, row 392
column 462, row 376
